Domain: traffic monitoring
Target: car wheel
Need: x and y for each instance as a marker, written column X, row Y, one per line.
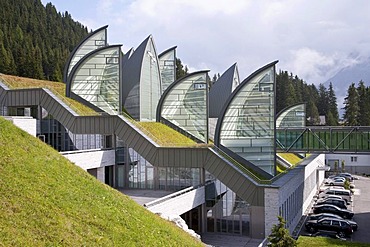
column 312, row 230
column 331, row 184
column 341, row 234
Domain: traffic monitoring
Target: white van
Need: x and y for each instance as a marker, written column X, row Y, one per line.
column 345, row 194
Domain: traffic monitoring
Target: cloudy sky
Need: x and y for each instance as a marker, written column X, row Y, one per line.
column 313, row 39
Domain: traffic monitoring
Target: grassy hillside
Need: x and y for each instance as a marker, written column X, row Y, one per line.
column 47, row 201
column 323, row 242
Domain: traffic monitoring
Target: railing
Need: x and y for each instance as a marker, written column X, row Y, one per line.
column 324, row 139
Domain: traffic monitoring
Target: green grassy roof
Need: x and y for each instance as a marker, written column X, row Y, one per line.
column 48, row 201
column 58, row 88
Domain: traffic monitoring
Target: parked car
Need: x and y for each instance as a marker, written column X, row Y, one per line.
column 331, row 196
column 333, row 216
column 327, row 208
column 333, row 201
column 341, row 227
column 346, row 175
column 345, row 194
column 338, row 181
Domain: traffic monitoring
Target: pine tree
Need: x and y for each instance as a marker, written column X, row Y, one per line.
column 363, row 104
column 312, row 113
column 332, row 107
column 351, row 108
column 323, row 102
column 280, row 236
column 180, row 70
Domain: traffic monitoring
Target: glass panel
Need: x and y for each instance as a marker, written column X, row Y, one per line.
column 186, row 106
column 98, row 81
column 295, row 116
column 249, row 123
column 167, row 66
column 92, row 43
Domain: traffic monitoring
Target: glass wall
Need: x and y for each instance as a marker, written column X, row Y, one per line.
column 185, row 105
column 226, row 212
column 143, row 175
column 175, row 178
column 97, row 40
column 248, row 127
column 294, row 116
column 167, row 66
column 97, row 79
column 141, row 172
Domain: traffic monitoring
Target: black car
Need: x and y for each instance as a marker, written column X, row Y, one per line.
column 333, row 216
column 333, row 201
column 341, row 227
column 327, row 208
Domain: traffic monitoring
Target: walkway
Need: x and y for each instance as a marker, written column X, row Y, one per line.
column 219, row 240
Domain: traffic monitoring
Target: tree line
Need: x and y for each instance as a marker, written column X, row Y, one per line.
column 357, row 105
column 36, row 40
column 321, row 101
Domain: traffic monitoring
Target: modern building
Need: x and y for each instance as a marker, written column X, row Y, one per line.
column 228, row 186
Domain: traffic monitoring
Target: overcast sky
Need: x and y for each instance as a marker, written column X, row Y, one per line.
column 312, row 39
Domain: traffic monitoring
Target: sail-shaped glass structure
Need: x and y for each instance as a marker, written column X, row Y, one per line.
column 185, row 105
column 247, row 122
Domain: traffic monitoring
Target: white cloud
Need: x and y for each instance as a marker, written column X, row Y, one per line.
column 311, row 39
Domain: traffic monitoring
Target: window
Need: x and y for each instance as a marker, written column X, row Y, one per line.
column 199, row 86
column 325, row 222
column 100, row 42
column 353, row 158
column 112, row 60
column 335, row 223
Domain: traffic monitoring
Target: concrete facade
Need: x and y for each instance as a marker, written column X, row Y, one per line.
column 27, row 124
column 354, row 163
column 179, row 202
column 293, row 193
column 89, row 159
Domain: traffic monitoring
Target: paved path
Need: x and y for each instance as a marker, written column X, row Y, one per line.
column 220, row 240
column 361, row 208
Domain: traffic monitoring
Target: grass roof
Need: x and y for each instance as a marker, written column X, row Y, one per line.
column 58, row 88
column 45, row 200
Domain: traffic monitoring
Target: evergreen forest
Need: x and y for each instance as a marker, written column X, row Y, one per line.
column 36, row 40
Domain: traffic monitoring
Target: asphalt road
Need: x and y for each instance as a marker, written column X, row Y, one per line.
column 361, row 208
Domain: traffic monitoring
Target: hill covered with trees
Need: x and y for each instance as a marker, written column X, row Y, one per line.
column 321, row 101
column 36, row 40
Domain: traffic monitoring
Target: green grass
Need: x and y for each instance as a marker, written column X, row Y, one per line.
column 58, row 88
column 166, row 136
column 48, row 201
column 291, row 158
column 322, row 242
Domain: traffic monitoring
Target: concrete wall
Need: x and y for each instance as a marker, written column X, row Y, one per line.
column 293, row 193
column 354, row 163
column 179, row 204
column 89, row 159
column 27, row 124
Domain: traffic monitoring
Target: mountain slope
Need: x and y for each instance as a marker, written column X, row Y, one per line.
column 346, row 76
column 46, row 200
